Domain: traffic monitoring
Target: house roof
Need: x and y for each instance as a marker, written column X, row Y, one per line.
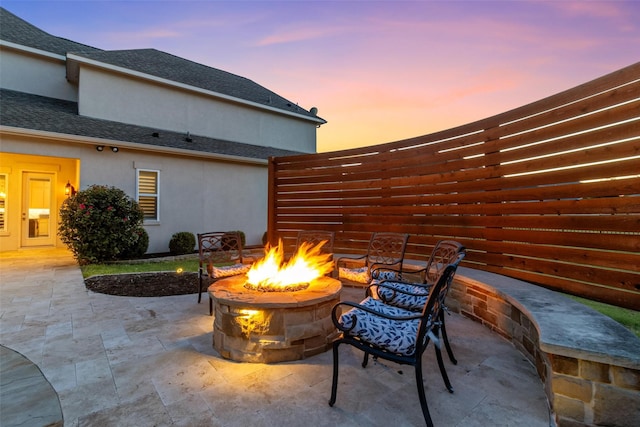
column 152, row 62
column 22, row 110
column 16, row 30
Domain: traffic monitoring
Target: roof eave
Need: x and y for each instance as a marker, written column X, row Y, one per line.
column 31, row 50
column 88, row 140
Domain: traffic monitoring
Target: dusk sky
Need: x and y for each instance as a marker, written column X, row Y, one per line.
column 378, row 71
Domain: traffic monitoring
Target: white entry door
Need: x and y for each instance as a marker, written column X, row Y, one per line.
column 38, row 214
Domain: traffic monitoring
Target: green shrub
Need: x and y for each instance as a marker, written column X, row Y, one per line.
column 140, row 247
column 243, row 239
column 182, row 243
column 101, row 224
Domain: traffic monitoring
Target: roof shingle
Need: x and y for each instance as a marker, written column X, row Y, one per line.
column 16, row 30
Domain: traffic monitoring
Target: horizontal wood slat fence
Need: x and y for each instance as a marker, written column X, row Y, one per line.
column 548, row 192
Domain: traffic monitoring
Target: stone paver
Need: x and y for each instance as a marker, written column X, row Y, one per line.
column 120, row 361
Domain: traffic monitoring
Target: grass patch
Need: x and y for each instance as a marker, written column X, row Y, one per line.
column 628, row 318
column 187, row 265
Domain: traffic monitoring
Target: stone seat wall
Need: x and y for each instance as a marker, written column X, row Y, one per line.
column 589, row 363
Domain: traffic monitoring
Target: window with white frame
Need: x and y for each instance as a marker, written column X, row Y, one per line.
column 3, row 201
column 149, row 193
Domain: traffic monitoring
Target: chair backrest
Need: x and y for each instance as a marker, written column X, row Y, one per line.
column 219, row 247
column 315, row 237
column 435, row 304
column 444, row 253
column 387, row 249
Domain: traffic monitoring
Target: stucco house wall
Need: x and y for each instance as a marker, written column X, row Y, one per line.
column 196, row 194
column 64, row 105
column 36, row 72
column 107, row 95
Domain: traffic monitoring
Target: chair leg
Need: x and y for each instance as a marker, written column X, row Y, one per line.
column 365, row 360
column 210, row 306
column 446, row 339
column 443, row 371
column 421, row 395
column 334, row 383
column 200, row 287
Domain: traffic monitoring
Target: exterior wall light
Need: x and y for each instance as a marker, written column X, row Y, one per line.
column 99, row 147
column 115, row 149
column 69, row 190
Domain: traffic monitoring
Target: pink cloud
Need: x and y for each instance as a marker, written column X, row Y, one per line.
column 300, row 34
column 602, row 9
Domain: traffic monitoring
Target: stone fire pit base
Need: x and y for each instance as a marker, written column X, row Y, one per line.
column 268, row 327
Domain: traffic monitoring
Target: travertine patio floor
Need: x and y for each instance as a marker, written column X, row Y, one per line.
column 120, row 361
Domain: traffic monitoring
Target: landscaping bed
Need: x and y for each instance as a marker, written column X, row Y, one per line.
column 155, row 284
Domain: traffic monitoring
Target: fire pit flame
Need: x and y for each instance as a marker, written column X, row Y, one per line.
column 273, row 274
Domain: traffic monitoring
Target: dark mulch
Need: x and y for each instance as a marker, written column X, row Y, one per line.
column 144, row 284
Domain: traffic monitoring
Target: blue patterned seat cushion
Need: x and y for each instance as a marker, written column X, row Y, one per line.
column 359, row 275
column 229, row 270
column 378, row 276
column 397, row 336
column 402, row 299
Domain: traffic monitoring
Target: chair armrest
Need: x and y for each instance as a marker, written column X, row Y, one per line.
column 347, row 258
column 380, row 265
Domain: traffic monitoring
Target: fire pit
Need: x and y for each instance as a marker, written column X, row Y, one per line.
column 264, row 317
column 266, row 327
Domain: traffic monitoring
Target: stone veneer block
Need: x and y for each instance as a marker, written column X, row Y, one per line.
column 565, row 365
column 499, row 306
column 477, row 293
column 481, row 311
column 504, row 325
column 594, row 371
column 573, row 387
column 626, row 378
column 570, row 408
column 613, row 406
column 296, row 317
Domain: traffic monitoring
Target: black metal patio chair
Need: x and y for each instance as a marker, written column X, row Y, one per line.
column 315, row 237
column 395, row 334
column 220, row 255
column 384, row 249
column 388, row 284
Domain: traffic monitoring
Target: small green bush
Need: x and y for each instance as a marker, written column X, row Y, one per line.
column 101, row 224
column 243, row 239
column 182, row 243
column 140, row 247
